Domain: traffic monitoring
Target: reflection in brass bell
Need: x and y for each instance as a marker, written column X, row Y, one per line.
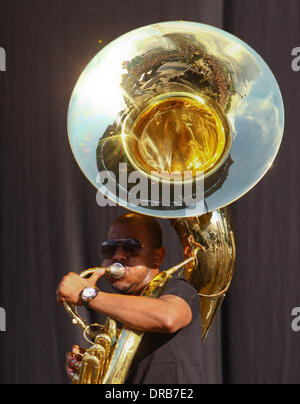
column 177, row 96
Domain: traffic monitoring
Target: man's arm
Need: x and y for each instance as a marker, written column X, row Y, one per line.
column 166, row 314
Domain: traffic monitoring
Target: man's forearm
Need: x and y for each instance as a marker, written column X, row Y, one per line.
column 137, row 312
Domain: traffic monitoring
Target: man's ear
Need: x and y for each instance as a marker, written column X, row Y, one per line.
column 159, row 255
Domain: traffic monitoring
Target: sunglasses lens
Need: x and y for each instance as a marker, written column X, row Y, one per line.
column 130, row 246
column 109, row 249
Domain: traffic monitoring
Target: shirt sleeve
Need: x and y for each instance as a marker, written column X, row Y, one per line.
column 178, row 286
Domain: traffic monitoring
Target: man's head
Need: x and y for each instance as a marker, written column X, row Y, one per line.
column 140, row 266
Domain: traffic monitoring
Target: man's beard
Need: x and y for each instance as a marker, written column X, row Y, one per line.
column 122, row 289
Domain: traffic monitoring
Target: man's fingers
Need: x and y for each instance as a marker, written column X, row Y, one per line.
column 72, row 362
column 97, row 275
column 60, row 299
column 75, row 349
column 78, row 352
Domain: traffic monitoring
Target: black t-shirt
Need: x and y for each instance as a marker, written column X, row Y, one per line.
column 172, row 358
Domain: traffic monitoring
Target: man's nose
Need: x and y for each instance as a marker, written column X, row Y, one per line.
column 120, row 255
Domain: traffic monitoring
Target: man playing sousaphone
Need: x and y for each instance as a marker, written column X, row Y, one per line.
column 170, row 97
column 168, row 352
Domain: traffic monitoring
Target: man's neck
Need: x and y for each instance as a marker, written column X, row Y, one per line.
column 148, row 278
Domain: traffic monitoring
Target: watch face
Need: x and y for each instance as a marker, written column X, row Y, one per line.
column 89, row 292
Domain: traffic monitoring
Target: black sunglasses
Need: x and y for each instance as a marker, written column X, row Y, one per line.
column 129, row 246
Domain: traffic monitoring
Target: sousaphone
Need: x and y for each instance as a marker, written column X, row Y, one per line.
column 160, row 102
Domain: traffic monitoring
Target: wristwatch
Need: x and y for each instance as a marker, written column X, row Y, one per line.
column 88, row 294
